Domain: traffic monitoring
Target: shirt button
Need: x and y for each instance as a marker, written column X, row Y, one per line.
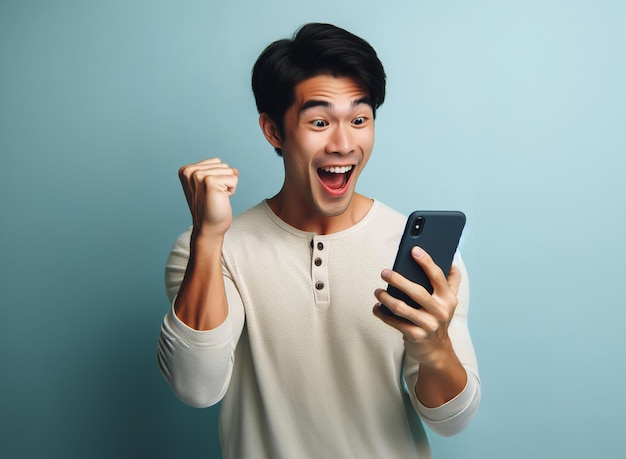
column 318, row 261
column 319, row 285
column 320, row 246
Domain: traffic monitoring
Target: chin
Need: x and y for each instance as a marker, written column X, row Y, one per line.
column 334, row 209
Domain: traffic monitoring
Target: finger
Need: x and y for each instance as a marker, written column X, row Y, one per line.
column 435, row 274
column 193, row 176
column 208, row 162
column 229, row 184
column 409, row 330
column 454, row 279
column 187, row 172
column 211, row 181
column 386, row 315
column 201, row 174
column 198, row 181
column 444, row 290
column 402, row 311
column 415, row 291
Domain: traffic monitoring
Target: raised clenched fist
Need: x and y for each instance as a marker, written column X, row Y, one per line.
column 208, row 186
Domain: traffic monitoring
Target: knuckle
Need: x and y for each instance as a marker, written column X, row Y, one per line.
column 413, row 335
column 391, row 302
column 186, row 172
column 454, row 301
column 429, row 322
column 451, row 300
column 437, row 274
column 440, row 317
column 398, row 307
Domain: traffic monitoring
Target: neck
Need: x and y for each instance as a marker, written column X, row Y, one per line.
column 307, row 219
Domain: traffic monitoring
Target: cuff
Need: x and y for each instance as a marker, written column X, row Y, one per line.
column 197, row 338
column 451, row 408
column 452, row 417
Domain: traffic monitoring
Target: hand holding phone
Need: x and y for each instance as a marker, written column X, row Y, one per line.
column 438, row 233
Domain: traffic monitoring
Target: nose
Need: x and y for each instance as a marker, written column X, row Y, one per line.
column 341, row 140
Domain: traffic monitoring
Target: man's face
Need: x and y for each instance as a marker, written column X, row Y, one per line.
column 328, row 139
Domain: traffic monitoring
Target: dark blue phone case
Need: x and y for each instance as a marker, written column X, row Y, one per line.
column 437, row 232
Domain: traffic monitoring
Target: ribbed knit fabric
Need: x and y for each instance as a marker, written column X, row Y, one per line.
column 302, row 366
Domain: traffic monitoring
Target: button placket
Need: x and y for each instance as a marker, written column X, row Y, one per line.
column 319, row 272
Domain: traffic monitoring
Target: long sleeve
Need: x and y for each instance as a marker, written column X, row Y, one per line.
column 453, row 416
column 197, row 364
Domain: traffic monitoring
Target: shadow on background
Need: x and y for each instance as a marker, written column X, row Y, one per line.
column 104, row 397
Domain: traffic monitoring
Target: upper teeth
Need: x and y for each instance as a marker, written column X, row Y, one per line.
column 337, row 169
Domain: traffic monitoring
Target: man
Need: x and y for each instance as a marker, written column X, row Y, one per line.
column 272, row 310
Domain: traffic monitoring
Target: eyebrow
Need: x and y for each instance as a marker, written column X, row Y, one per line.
column 322, row 103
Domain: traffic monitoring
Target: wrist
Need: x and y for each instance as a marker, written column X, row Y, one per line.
column 440, row 359
column 203, row 240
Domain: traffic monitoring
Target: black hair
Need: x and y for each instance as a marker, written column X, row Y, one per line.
column 315, row 49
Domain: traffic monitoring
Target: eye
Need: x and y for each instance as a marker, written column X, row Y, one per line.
column 358, row 121
column 319, row 123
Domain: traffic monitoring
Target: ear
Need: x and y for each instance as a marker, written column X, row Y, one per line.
column 270, row 130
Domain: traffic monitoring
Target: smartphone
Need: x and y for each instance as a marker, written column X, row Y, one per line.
column 437, row 232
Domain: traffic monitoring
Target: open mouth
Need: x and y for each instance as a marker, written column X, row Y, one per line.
column 335, row 178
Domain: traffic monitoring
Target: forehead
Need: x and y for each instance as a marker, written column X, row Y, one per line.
column 335, row 90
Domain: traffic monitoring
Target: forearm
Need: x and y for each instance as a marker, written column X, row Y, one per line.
column 440, row 381
column 457, row 404
column 197, row 364
column 201, row 301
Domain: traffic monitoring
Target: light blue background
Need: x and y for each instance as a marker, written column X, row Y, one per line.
column 511, row 111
